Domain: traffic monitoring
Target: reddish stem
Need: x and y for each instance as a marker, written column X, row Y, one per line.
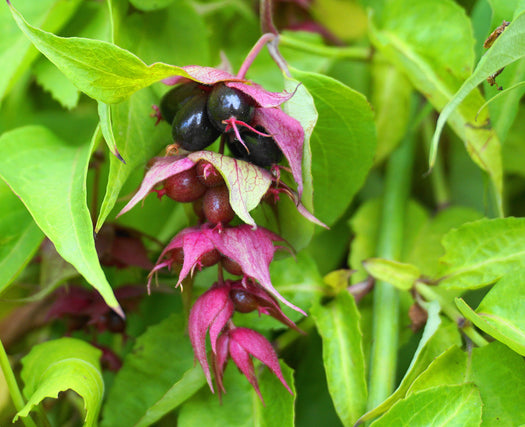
column 265, row 38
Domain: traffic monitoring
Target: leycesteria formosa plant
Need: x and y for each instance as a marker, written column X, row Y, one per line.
column 213, row 104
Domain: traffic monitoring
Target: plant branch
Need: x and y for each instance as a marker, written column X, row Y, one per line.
column 385, row 317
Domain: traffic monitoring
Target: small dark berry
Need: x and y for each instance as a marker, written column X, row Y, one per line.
column 231, row 266
column 263, row 151
column 225, row 102
column 191, row 128
column 210, row 258
column 184, row 186
column 198, row 209
column 175, row 98
column 216, row 205
column 208, row 175
column 243, row 301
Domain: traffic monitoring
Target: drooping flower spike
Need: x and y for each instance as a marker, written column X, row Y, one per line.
column 252, row 249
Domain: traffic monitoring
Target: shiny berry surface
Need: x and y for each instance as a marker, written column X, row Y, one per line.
column 260, row 150
column 174, row 99
column 243, row 302
column 191, row 128
column 184, row 187
column 225, row 102
column 216, row 205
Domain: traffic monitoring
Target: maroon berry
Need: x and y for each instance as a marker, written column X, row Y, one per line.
column 208, row 174
column 210, row 258
column 243, row 301
column 231, row 266
column 184, row 186
column 176, row 256
column 216, row 205
column 198, row 209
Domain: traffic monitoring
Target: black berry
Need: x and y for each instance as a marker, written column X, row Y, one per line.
column 191, row 128
column 174, row 99
column 216, row 205
column 225, row 102
column 260, row 150
column 184, row 186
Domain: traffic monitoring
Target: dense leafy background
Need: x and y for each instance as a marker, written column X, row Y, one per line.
column 388, row 90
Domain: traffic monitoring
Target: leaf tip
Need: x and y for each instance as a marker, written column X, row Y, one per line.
column 118, row 156
column 117, row 309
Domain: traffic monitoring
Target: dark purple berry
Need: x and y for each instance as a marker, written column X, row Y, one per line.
column 191, row 128
column 184, row 186
column 216, row 205
column 208, row 175
column 225, row 102
column 174, row 99
column 260, row 150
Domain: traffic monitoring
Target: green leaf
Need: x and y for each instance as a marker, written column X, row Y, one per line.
column 240, row 406
column 343, row 143
column 500, row 313
column 49, row 176
column 156, row 377
column 150, row 4
column 437, row 337
column 20, row 237
column 59, row 365
column 102, row 70
column 437, row 62
column 449, row 368
column 479, row 253
column 499, row 373
column 440, row 406
column 508, row 47
column 138, row 141
column 398, row 274
column 16, row 52
column 391, row 100
column 338, row 325
column 427, row 249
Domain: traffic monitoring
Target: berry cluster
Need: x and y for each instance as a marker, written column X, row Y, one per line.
column 199, row 114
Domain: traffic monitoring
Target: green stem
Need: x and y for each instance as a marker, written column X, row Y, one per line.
column 12, row 385
column 437, row 176
column 385, row 317
column 356, row 53
column 451, row 312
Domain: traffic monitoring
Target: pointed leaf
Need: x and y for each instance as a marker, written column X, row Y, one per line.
column 20, row 236
column 49, row 176
column 398, row 274
column 102, row 70
column 16, row 53
column 59, row 365
column 343, row 357
column 508, row 47
column 500, row 313
column 439, row 406
column 479, row 253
